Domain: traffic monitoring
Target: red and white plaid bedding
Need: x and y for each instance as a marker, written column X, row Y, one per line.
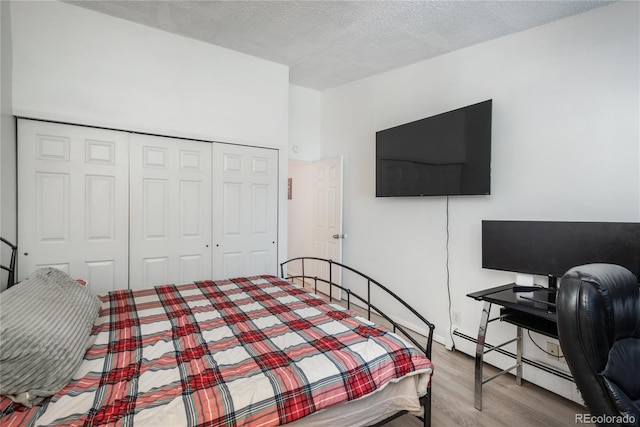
column 251, row 351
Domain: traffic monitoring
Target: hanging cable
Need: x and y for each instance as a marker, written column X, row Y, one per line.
column 453, row 345
column 558, row 357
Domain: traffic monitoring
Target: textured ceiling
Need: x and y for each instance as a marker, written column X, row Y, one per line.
column 329, row 43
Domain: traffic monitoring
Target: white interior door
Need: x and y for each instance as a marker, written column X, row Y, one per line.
column 327, row 218
column 170, row 201
column 73, row 202
column 245, row 211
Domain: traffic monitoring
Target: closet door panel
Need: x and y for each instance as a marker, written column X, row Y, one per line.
column 100, row 214
column 245, row 211
column 231, row 265
column 155, row 208
column 52, row 207
column 170, row 199
column 101, row 274
column 73, row 202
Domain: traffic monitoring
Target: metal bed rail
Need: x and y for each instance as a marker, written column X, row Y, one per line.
column 12, row 264
column 426, row 349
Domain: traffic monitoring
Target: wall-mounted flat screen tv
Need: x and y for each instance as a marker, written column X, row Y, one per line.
column 446, row 154
column 551, row 248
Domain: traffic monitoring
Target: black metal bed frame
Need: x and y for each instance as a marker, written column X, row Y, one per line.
column 12, row 264
column 425, row 400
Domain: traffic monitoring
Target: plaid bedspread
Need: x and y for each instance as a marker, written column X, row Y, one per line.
column 250, row 351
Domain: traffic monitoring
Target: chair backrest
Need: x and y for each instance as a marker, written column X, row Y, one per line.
column 598, row 309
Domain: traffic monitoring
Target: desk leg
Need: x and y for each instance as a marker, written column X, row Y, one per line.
column 519, row 357
column 482, row 332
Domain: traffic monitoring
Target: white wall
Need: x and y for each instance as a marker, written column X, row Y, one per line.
column 7, row 142
column 304, row 147
column 305, row 106
column 300, row 211
column 565, row 147
column 78, row 66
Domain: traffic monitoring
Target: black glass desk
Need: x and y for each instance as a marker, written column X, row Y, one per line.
column 534, row 311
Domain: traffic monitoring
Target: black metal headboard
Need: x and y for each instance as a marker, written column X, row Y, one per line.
column 12, row 264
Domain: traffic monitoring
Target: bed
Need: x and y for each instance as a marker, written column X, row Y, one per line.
column 256, row 351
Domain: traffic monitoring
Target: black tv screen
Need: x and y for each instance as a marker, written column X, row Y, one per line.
column 551, row 248
column 446, row 154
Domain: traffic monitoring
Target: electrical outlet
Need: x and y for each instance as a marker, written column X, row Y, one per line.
column 553, row 350
column 456, row 317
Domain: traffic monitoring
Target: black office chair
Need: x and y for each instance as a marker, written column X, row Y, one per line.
column 598, row 309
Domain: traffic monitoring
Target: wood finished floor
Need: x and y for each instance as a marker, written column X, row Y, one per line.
column 504, row 403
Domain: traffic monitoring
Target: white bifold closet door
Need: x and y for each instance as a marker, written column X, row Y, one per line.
column 245, row 211
column 125, row 210
column 170, row 218
column 73, row 200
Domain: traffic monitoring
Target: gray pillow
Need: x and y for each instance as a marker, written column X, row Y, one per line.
column 45, row 328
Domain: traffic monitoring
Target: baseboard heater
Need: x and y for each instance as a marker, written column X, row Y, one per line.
column 530, row 362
